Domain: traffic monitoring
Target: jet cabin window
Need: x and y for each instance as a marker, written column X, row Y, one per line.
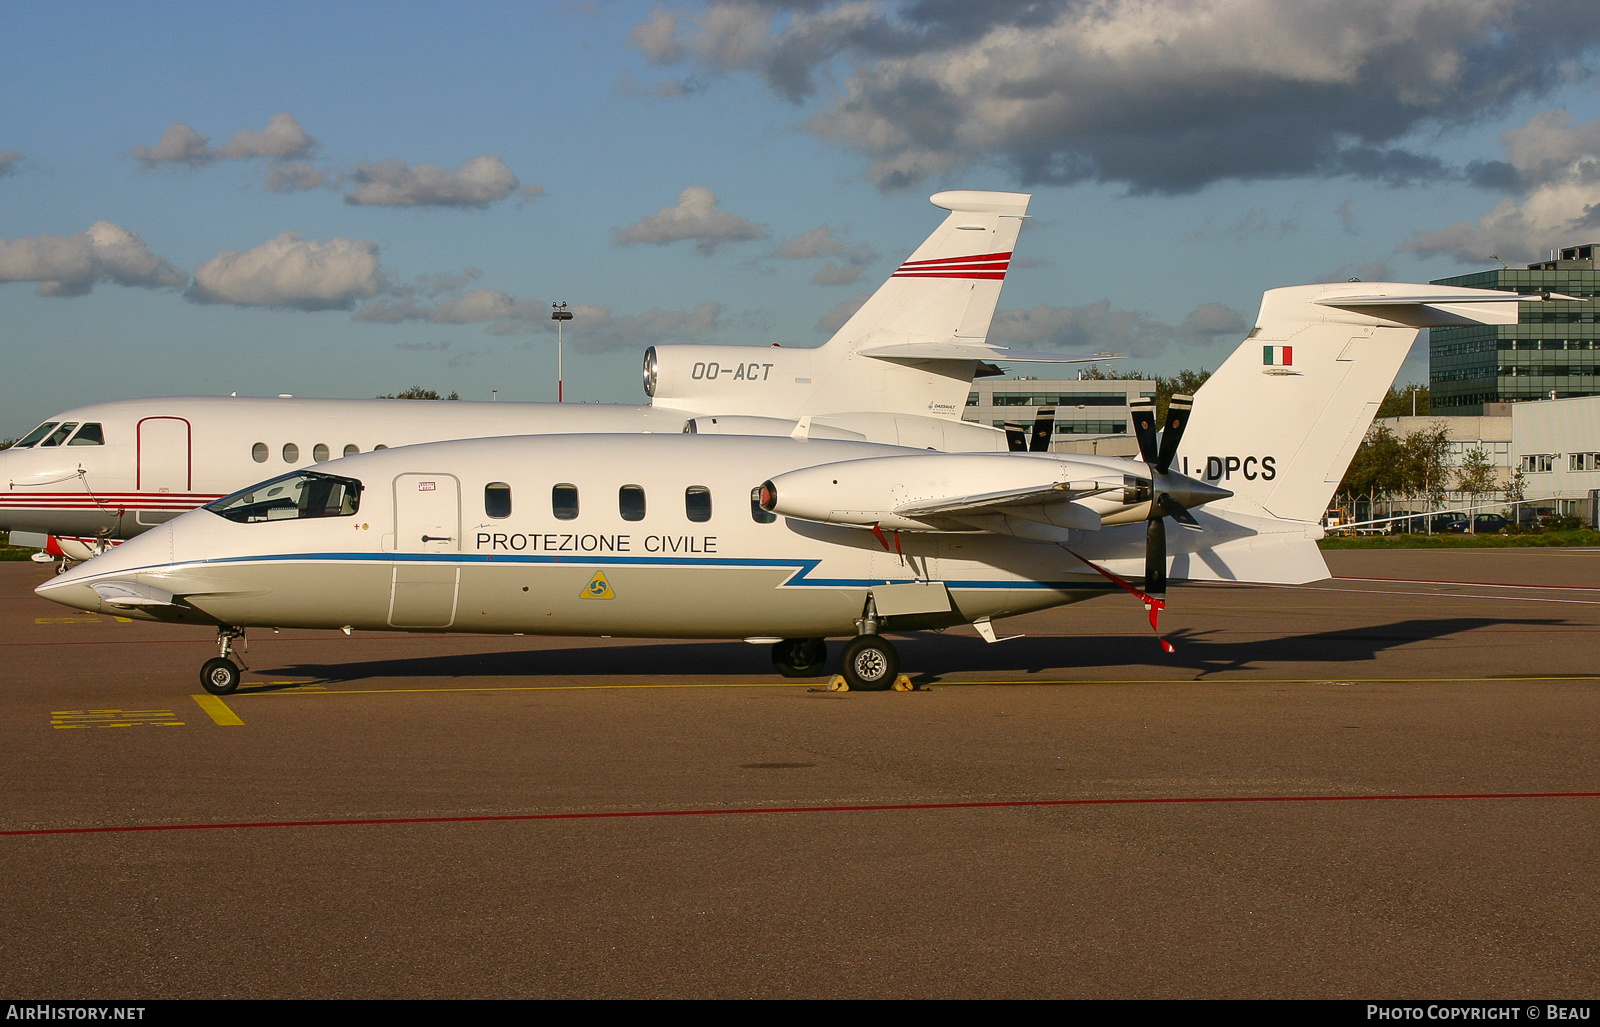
column 88, row 435
column 293, row 496
column 697, row 503
column 291, row 453
column 630, row 502
column 564, row 502
column 34, row 436
column 319, row 453
column 497, row 499
column 258, row 452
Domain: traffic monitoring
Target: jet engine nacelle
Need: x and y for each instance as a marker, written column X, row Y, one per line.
column 736, row 379
column 874, row 491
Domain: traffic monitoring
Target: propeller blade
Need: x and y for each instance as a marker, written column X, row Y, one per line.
column 1176, row 510
column 1144, row 427
column 1016, row 437
column 1155, row 557
column 1044, row 426
column 1178, row 410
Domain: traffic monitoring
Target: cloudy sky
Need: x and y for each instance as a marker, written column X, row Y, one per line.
column 348, row 199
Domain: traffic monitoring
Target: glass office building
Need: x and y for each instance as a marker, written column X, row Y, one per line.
column 1084, row 408
column 1552, row 350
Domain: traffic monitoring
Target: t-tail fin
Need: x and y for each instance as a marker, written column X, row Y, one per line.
column 948, row 288
column 1280, row 420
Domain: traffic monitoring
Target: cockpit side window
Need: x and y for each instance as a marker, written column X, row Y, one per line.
column 59, row 436
column 34, row 436
column 294, row 496
column 89, row 435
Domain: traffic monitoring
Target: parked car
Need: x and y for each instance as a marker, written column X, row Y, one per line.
column 1489, row 524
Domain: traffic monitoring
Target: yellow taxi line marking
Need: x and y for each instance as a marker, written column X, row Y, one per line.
column 218, row 710
column 805, row 684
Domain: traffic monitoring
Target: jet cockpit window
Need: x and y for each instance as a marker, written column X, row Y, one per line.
column 697, row 503
column 88, row 435
column 497, row 499
column 293, row 496
column 35, row 435
column 59, row 436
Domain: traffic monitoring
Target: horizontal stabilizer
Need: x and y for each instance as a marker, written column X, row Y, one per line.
column 958, row 350
column 1261, row 559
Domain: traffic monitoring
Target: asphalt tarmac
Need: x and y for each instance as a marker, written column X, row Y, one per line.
column 1383, row 785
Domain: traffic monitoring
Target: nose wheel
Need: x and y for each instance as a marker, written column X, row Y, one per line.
column 869, row 664
column 220, row 675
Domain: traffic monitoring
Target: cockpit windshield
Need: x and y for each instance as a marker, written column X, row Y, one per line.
column 35, row 435
column 292, row 496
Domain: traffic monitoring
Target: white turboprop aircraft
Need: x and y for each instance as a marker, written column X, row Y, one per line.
column 898, row 372
column 793, row 540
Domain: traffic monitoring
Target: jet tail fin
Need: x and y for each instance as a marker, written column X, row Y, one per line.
column 1279, row 421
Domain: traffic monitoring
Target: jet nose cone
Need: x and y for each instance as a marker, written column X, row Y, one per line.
column 70, row 590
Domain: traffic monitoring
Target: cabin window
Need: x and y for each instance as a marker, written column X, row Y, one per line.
column 291, row 453
column 293, row 496
column 376, row 448
column 697, row 503
column 352, row 449
column 319, row 453
column 259, row 452
column 757, row 514
column 497, row 499
column 35, row 435
column 630, row 502
column 88, row 435
column 564, row 502
column 59, row 436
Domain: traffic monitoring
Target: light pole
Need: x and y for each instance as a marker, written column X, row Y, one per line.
column 558, row 314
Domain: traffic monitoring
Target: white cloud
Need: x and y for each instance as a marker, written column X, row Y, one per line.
column 822, row 242
column 697, row 217
column 296, row 176
column 1161, row 95
column 282, row 139
column 393, row 183
column 1552, row 167
column 595, row 328
column 1096, row 328
column 9, row 159
column 70, row 265
column 841, row 312
column 288, row 271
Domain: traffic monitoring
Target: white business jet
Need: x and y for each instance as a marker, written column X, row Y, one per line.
column 898, row 372
column 791, row 540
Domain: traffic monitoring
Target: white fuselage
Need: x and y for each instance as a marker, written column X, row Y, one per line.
column 642, row 535
column 162, row 457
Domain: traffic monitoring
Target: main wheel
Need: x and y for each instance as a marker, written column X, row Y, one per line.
column 219, row 676
column 800, row 657
column 869, row 664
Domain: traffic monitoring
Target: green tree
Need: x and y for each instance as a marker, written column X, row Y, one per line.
column 1423, row 463
column 418, row 392
column 1477, row 478
column 1397, row 402
column 1375, row 472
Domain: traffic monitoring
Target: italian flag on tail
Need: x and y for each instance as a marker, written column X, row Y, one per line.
column 1277, row 356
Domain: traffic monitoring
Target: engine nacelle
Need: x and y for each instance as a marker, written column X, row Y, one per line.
column 868, row 492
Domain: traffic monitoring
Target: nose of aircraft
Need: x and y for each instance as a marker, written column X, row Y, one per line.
column 75, row 587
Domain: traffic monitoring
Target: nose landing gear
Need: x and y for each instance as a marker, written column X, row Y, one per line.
column 220, row 675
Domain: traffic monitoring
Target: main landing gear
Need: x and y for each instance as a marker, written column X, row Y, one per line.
column 801, row 657
column 869, row 664
column 220, row 676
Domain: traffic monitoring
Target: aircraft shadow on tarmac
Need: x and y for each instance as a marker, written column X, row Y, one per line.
column 1198, row 652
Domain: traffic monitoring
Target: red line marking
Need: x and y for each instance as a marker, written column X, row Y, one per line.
column 884, row 808
column 947, row 260
column 1486, row 584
